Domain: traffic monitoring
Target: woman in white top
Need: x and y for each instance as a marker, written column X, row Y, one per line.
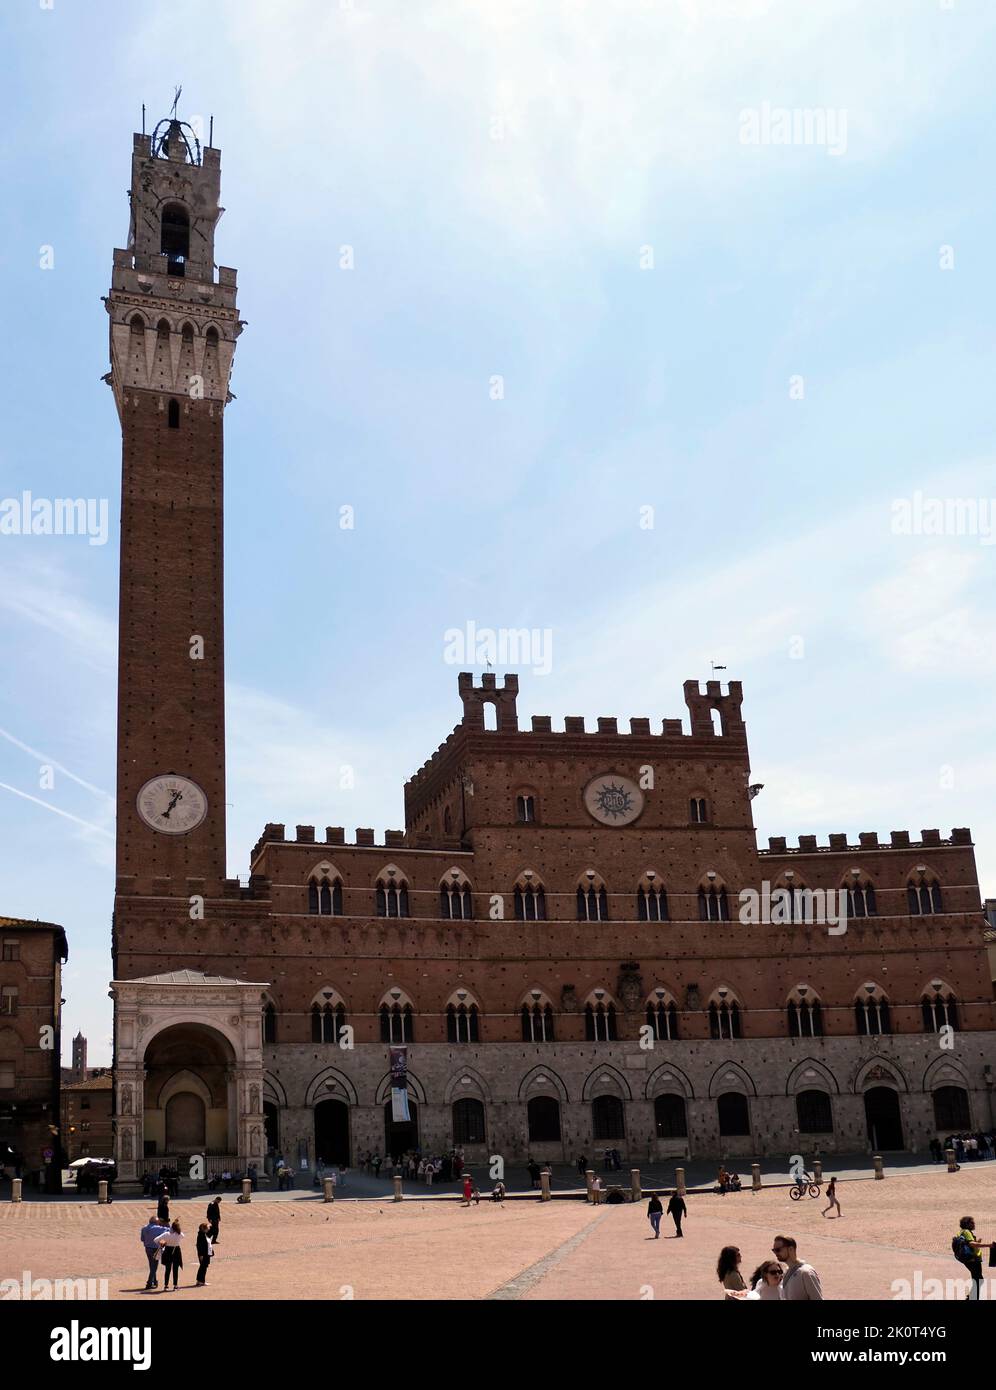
column 172, row 1254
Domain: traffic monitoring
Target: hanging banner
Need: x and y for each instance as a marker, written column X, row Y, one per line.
column 399, row 1084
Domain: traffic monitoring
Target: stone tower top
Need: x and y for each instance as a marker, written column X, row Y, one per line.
column 173, row 322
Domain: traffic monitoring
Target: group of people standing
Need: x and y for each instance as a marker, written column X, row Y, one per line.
column 786, row 1278
column 676, row 1209
column 162, row 1240
column 970, row 1147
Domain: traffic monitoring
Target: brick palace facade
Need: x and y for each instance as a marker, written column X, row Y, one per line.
column 556, row 934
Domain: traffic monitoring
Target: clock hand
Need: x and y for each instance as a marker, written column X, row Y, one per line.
column 177, row 796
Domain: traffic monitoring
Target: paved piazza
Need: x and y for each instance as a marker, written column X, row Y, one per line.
column 302, row 1248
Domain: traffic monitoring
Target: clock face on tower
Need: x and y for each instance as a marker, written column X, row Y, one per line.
column 172, row 805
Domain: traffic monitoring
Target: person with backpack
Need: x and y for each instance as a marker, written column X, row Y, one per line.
column 968, row 1251
column 654, row 1212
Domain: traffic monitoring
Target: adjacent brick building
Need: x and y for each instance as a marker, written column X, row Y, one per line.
column 556, row 936
column 31, row 958
column 87, row 1126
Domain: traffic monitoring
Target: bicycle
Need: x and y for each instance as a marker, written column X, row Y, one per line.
column 804, row 1185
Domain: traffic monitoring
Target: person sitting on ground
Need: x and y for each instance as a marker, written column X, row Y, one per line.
column 498, row 1192
column 735, row 1185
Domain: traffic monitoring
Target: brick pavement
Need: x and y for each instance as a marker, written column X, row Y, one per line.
column 526, row 1250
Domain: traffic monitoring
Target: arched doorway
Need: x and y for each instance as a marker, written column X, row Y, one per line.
column 883, row 1117
column 185, row 1123
column 400, row 1135
column 332, row 1132
column 190, row 1101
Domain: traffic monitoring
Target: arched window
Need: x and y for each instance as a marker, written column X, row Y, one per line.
column 462, row 1020
column 670, row 1118
column 211, row 339
column 698, row 811
column 724, row 1015
column 529, row 899
column 137, row 323
column 651, row 899
column 392, row 895
column 860, row 896
column 325, row 897
column 608, row 1118
column 537, row 1019
column 162, row 332
column 713, row 904
column 814, row 1112
column 923, row 895
column 397, row 1018
column 187, row 334
column 593, row 901
column 468, row 1121
column 543, row 1115
column 805, row 1016
column 871, row 1012
column 734, row 1114
column 600, row 1019
column 662, row 1016
column 328, row 1017
column 173, row 415
column 940, row 1009
column 269, row 1022
column 525, row 808
column 951, row 1112
column 175, row 239
column 455, row 901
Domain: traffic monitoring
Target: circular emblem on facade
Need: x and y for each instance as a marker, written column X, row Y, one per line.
column 612, row 799
column 172, row 805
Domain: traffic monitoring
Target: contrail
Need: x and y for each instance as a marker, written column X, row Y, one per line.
column 55, row 810
column 65, row 770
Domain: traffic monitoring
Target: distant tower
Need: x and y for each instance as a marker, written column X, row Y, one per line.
column 79, row 1057
column 173, row 328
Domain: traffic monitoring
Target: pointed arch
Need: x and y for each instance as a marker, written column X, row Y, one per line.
column 540, row 1081
column 731, row 1076
column 878, row 1071
column 318, row 1087
column 415, row 1088
column 605, row 1080
column 666, row 1080
column 529, row 897
column 391, row 892
column 456, row 899
column 456, row 1088
column 811, row 1075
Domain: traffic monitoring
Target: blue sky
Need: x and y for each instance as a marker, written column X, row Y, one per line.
column 499, row 171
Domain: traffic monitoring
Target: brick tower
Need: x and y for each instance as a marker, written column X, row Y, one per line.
column 173, row 330
column 186, row 1041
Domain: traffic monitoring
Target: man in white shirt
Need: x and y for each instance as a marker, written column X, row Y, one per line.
column 800, row 1283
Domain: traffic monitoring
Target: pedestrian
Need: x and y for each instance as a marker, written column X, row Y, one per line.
column 170, row 1243
column 162, row 1208
column 468, row 1190
column 677, row 1210
column 800, row 1282
column 766, row 1281
column 150, row 1234
column 582, row 1165
column 204, row 1253
column 654, row 1212
column 728, row 1269
column 214, row 1219
column 832, row 1198
column 968, row 1251
column 254, row 1177
column 723, row 1181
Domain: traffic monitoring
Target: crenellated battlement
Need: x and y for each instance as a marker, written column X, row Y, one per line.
column 867, row 840
column 335, row 835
